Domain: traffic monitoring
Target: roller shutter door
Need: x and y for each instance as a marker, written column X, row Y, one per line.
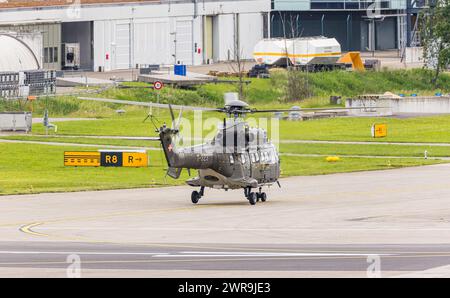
column 123, row 47
column 185, row 46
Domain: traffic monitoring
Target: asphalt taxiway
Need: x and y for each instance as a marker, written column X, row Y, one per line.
column 334, row 225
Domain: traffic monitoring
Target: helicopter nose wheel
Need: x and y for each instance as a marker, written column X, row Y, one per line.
column 196, row 196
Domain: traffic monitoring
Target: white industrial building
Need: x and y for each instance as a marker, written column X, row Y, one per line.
column 114, row 36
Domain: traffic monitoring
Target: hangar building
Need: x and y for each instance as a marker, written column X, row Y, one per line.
column 120, row 34
column 358, row 25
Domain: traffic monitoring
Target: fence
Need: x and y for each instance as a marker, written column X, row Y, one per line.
column 26, row 83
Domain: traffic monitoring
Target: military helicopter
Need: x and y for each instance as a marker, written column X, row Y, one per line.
column 238, row 157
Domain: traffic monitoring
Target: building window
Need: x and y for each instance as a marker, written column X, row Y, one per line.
column 46, row 55
column 55, row 54
column 51, row 55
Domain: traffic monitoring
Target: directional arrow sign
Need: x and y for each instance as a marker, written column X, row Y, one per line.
column 134, row 159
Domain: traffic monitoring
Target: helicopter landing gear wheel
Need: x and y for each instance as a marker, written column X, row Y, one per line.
column 253, row 198
column 263, row 197
column 195, row 197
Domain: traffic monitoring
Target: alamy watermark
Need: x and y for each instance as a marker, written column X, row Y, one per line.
column 74, row 9
column 74, row 268
column 374, row 269
column 220, row 135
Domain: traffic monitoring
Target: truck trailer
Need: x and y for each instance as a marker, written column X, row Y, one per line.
column 312, row 53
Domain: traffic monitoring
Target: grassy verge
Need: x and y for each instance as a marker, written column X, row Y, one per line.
column 422, row 129
column 366, row 150
column 260, row 93
column 39, row 168
column 299, row 148
column 86, row 141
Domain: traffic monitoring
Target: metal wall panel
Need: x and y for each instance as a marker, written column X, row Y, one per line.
column 386, row 34
column 224, row 37
column 208, row 41
column 250, row 33
column 152, row 42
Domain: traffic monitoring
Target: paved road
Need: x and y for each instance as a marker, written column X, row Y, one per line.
column 313, row 226
column 284, row 259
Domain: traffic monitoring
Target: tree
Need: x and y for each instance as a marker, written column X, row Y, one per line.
column 238, row 67
column 297, row 85
column 435, row 33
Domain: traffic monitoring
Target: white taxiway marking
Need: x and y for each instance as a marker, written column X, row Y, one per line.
column 201, row 254
column 240, row 229
column 80, row 253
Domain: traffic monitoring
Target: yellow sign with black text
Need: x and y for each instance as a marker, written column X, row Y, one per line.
column 379, row 131
column 82, row 159
column 135, row 160
column 104, row 158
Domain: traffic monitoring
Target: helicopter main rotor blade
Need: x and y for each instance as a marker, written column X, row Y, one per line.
column 314, row 109
column 180, row 116
column 172, row 115
column 148, row 104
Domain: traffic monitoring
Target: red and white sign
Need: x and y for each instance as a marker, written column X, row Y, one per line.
column 158, row 85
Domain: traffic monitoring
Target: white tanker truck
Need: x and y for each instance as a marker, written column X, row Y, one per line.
column 313, row 53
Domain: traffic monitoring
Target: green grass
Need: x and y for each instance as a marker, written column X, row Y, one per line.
column 26, row 168
column 311, row 166
column 356, row 83
column 260, row 93
column 421, row 129
column 366, row 150
column 39, row 168
column 87, row 141
column 299, row 148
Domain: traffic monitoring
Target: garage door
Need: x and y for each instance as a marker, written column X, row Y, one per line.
column 185, row 44
column 122, row 47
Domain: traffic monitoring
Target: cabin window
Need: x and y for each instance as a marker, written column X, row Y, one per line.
column 275, row 156
column 269, row 157
column 256, row 157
